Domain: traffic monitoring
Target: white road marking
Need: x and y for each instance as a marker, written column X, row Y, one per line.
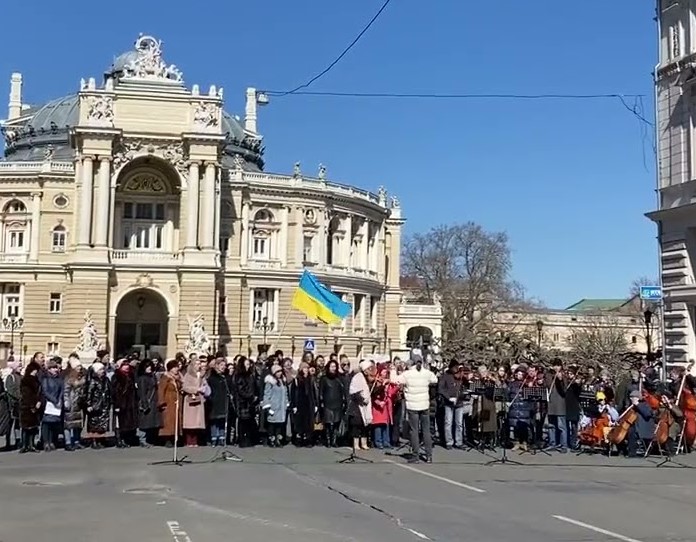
column 178, row 535
column 599, row 530
column 419, row 535
column 436, row 477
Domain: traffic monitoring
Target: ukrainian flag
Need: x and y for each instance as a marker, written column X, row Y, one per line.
column 316, row 301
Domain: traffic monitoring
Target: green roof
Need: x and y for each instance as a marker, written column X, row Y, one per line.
column 598, row 304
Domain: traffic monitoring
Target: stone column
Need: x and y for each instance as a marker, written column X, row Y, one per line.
column 192, row 207
column 283, row 237
column 85, row 214
column 364, row 252
column 207, row 221
column 244, row 232
column 347, row 242
column 299, row 236
column 35, row 227
column 103, row 214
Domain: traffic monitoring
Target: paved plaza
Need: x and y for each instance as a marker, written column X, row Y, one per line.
column 304, row 495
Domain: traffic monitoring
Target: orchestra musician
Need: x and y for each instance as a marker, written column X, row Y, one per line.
column 644, row 428
column 521, row 411
column 572, row 398
column 687, row 404
column 556, row 389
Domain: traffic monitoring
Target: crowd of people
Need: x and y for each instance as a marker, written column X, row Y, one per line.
column 272, row 401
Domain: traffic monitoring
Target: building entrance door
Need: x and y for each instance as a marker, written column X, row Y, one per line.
column 141, row 324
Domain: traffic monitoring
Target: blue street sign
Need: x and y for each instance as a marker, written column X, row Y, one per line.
column 309, row 345
column 651, row 293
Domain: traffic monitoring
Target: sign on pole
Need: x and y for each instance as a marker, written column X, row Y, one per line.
column 309, row 345
column 651, row 293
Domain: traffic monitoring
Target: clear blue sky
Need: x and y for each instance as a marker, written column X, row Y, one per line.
column 568, row 180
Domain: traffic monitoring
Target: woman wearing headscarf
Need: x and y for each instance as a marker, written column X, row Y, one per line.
column 98, row 405
column 74, row 394
column 149, row 420
column 30, row 405
column 12, row 382
column 125, row 400
column 304, row 404
column 332, row 397
column 52, row 393
column 246, row 394
column 195, row 390
column 360, row 405
column 168, row 404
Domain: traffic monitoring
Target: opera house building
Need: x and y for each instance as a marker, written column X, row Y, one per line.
column 136, row 214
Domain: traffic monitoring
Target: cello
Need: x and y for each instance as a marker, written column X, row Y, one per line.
column 619, row 432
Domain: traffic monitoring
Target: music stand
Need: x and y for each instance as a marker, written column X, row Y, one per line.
column 500, row 394
column 537, row 395
column 175, row 460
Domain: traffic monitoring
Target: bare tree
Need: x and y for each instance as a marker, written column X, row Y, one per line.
column 600, row 340
column 468, row 270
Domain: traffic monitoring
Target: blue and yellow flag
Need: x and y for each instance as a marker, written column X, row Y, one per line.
column 316, row 301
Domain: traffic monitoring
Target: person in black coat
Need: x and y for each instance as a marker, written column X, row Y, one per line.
column 573, row 410
column 217, row 402
column 125, row 401
column 149, row 419
column 304, row 404
column 332, row 397
column 246, row 395
column 30, row 406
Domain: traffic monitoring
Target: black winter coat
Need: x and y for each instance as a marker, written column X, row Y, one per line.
column 303, row 398
column 30, row 395
column 148, row 413
column 332, row 396
column 99, row 400
column 245, row 392
column 5, row 417
column 125, row 400
column 219, row 393
column 573, row 402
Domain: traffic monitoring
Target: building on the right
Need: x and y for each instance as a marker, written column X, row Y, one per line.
column 675, row 105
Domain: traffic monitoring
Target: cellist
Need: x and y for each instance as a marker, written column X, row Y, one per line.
column 644, row 428
column 687, row 403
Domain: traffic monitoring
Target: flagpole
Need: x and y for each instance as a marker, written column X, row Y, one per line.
column 285, row 321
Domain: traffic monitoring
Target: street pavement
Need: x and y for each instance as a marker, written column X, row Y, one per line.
column 305, row 495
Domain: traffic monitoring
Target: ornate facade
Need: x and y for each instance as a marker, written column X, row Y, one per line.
column 675, row 91
column 144, row 203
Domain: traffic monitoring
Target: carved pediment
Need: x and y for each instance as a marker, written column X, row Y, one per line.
column 145, row 182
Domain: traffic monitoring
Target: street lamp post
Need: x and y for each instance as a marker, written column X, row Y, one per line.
column 265, row 327
column 13, row 324
column 21, row 345
column 647, row 315
column 539, row 327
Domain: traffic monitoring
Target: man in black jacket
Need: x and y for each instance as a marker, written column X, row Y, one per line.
column 450, row 390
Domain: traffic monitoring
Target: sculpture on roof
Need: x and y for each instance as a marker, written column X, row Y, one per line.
column 149, row 63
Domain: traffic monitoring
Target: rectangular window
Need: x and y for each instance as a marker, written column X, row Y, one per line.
column 58, row 241
column 53, row 349
column 127, row 210
column 358, row 312
column 260, row 248
column 12, row 302
column 222, row 304
column 263, row 306
column 16, row 240
column 144, row 211
column 374, row 313
column 55, row 303
column 307, row 249
column 159, row 212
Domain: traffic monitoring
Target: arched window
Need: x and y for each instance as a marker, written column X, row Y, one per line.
column 58, row 238
column 263, row 236
column 15, row 207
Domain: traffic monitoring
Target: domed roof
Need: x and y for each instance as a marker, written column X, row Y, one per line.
column 48, row 131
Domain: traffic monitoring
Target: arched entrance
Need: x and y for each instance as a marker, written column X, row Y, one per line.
column 419, row 336
column 141, row 324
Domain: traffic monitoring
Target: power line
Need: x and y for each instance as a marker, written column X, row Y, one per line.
column 453, row 96
column 635, row 110
column 339, row 57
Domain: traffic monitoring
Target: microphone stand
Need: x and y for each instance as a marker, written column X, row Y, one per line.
column 175, row 460
column 225, row 454
column 503, row 460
